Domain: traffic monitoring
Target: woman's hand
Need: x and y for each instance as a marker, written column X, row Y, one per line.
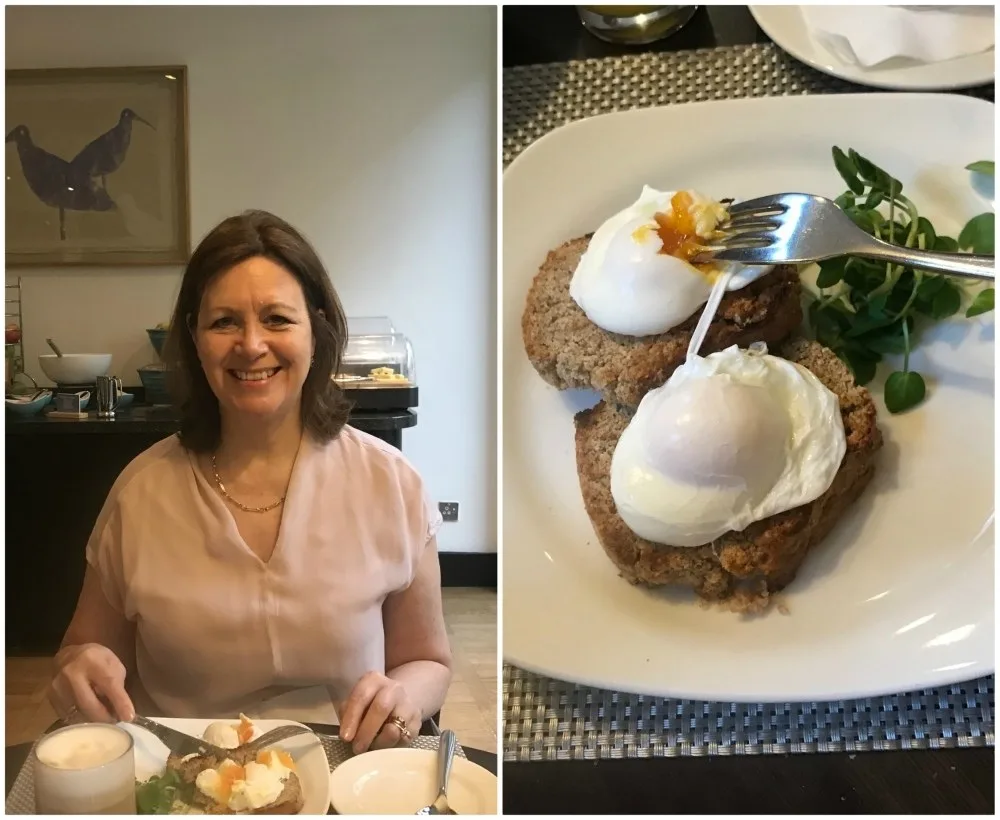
column 90, row 680
column 367, row 714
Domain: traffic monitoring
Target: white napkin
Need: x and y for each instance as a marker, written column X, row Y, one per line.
column 869, row 35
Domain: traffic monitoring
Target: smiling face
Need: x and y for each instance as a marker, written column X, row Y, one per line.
column 254, row 339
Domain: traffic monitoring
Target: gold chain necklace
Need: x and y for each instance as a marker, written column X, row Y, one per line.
column 222, row 489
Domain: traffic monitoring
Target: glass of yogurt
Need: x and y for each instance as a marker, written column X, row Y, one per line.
column 86, row 768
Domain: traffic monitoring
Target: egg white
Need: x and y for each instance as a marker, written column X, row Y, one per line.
column 626, row 286
column 730, row 439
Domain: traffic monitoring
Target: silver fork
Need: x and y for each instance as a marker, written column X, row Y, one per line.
column 800, row 228
column 281, row 733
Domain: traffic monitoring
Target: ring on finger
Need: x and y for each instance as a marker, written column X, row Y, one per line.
column 400, row 724
column 71, row 715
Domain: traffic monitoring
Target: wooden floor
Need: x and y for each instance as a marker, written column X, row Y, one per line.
column 470, row 710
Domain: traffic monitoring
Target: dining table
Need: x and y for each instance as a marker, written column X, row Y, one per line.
column 568, row 748
column 15, row 756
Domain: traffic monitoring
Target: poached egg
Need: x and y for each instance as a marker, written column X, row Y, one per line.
column 245, row 788
column 730, row 439
column 636, row 276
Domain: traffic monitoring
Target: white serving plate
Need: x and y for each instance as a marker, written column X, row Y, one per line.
column 787, row 27
column 306, row 750
column 403, row 781
column 900, row 595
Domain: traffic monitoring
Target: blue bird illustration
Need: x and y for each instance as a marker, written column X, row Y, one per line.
column 106, row 153
column 55, row 181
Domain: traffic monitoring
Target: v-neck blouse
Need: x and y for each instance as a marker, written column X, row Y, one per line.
column 218, row 630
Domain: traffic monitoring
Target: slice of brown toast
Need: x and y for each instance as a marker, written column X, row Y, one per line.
column 290, row 801
column 568, row 350
column 740, row 568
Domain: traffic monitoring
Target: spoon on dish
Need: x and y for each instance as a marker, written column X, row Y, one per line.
column 446, row 754
column 55, row 349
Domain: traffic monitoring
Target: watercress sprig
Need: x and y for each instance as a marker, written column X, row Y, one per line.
column 866, row 310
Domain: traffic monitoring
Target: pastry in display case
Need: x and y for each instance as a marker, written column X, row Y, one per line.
column 377, row 369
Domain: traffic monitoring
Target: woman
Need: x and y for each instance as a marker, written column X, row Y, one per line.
column 267, row 553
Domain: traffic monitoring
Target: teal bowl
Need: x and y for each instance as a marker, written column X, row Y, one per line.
column 157, row 337
column 29, row 408
column 154, row 382
column 125, row 400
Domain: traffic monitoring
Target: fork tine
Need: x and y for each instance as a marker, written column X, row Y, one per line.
column 745, row 256
column 749, row 222
column 748, row 239
column 761, row 205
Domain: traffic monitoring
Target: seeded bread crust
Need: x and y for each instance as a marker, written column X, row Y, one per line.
column 568, row 350
column 290, row 801
column 741, row 569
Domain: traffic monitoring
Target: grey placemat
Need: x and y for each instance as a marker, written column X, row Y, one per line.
column 546, row 719
column 21, row 799
column 538, row 98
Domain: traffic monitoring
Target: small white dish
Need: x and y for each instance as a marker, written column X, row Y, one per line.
column 403, row 781
column 786, row 26
column 900, row 595
column 306, row 750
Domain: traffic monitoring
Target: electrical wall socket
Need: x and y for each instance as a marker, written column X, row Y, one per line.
column 449, row 510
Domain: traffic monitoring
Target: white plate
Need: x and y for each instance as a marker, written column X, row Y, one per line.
column 306, row 750
column 900, row 596
column 403, row 781
column 786, row 26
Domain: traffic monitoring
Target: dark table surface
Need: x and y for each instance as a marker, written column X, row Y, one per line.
column 551, row 34
column 933, row 781
column 146, row 418
column 16, row 755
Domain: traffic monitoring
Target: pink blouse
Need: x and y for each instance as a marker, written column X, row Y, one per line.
column 218, row 630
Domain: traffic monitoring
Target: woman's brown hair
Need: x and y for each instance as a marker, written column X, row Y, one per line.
column 250, row 234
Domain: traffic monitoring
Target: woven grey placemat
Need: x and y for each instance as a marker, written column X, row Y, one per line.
column 21, row 799
column 546, row 719
column 538, row 98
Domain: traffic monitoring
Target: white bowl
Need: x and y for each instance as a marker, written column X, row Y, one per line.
column 401, row 781
column 75, row 368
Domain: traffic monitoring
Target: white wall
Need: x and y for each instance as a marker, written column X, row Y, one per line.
column 370, row 129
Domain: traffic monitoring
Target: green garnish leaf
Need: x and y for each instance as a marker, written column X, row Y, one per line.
column 861, row 365
column 863, row 219
column 888, row 185
column 925, row 228
column 978, row 234
column 904, row 390
column 845, row 200
column 867, row 310
column 867, row 169
column 982, row 166
column 888, row 340
column 875, row 198
column 831, row 271
column 863, row 274
column 869, row 317
column 847, row 171
column 946, row 301
column 157, row 795
column 930, row 286
column 983, row 303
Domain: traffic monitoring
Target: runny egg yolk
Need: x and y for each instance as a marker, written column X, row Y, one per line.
column 266, row 757
column 677, row 229
column 244, row 731
column 229, row 774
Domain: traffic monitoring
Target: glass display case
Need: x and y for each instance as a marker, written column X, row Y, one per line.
column 377, row 359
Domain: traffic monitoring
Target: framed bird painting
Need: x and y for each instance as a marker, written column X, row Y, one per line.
column 97, row 167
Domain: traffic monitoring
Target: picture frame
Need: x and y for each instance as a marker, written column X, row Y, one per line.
column 97, row 167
